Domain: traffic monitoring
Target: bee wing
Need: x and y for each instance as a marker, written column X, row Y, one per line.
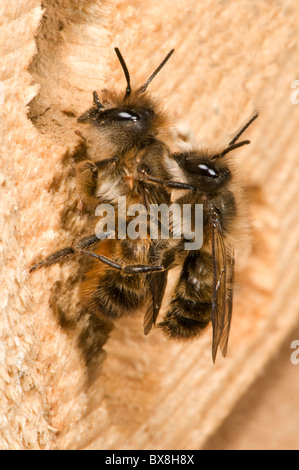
column 157, row 282
column 223, row 272
column 229, row 304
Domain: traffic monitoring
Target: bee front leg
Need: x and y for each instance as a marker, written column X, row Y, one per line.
column 87, row 173
column 166, row 183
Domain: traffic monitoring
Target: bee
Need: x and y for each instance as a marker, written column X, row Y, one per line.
column 204, row 291
column 124, row 133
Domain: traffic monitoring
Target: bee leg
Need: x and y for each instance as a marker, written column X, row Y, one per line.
column 134, row 268
column 65, row 252
column 179, row 185
column 131, row 269
column 167, row 261
column 53, row 259
column 87, row 172
column 139, row 268
column 169, row 184
column 86, row 242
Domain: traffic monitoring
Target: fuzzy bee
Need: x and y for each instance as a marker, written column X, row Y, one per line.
column 124, row 133
column 204, row 291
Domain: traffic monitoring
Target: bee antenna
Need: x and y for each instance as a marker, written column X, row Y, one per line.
column 96, row 100
column 233, row 144
column 126, row 71
column 230, row 148
column 144, row 87
column 241, row 131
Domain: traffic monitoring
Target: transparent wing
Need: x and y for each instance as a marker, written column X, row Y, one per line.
column 157, row 284
column 229, row 304
column 223, row 273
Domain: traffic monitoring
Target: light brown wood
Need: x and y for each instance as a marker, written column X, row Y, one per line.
column 231, row 58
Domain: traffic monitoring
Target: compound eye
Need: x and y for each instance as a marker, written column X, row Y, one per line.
column 124, row 115
column 201, row 169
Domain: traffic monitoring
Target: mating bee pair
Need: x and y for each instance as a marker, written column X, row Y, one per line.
column 133, row 157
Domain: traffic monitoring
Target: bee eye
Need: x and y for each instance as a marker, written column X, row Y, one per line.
column 124, row 115
column 201, row 169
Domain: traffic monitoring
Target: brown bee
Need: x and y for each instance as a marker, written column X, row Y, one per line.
column 125, row 133
column 204, row 291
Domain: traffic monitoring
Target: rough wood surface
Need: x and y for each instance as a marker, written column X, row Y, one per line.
column 231, row 58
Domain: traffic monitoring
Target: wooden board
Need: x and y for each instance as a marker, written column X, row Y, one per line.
column 231, row 58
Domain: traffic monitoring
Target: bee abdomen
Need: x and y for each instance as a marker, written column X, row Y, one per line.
column 186, row 319
column 116, row 296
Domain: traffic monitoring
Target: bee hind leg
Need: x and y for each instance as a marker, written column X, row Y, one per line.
column 167, row 260
column 130, row 269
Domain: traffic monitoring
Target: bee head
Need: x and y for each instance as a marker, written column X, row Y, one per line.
column 202, row 172
column 126, row 119
column 209, row 171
